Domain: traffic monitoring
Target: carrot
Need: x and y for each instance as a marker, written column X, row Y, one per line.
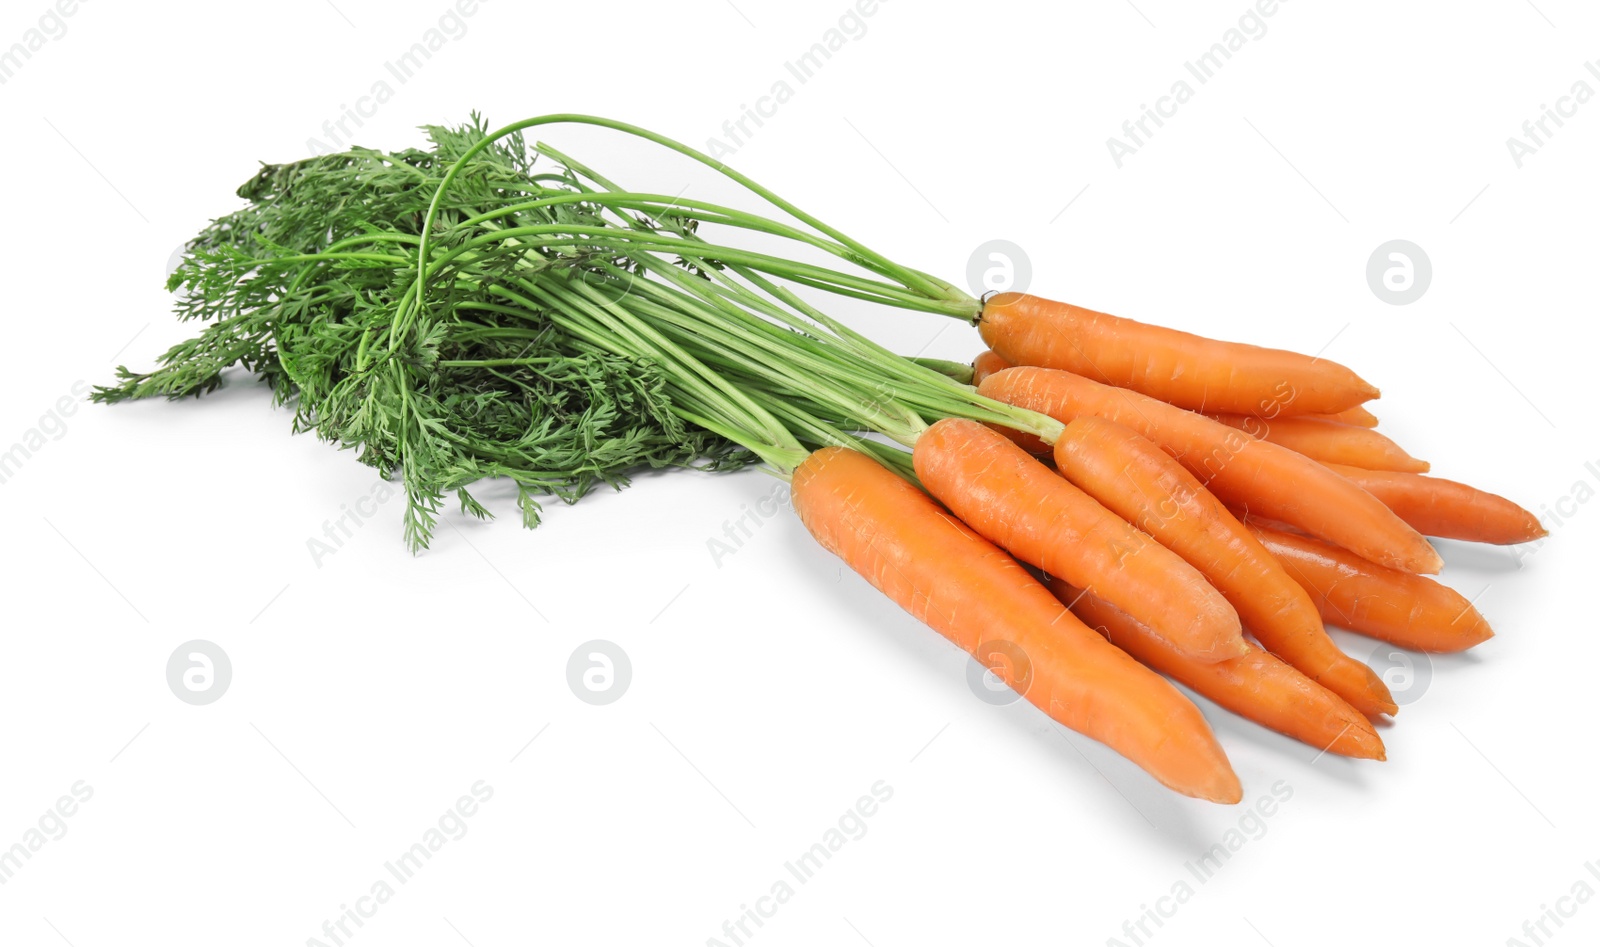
column 1445, row 508
column 1260, row 476
column 987, row 363
column 1257, row 686
column 1182, row 369
column 1411, row 611
column 1329, row 442
column 1017, row 503
column 1357, row 416
column 968, row 590
column 1152, row 491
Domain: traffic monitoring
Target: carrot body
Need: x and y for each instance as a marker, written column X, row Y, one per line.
column 1256, row 686
column 1262, row 477
column 1144, row 486
column 1017, row 503
column 971, row 592
column 1329, row 442
column 1182, row 369
column 1445, row 508
column 1357, row 416
column 987, row 363
column 1411, row 611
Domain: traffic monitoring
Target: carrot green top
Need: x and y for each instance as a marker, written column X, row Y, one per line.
column 460, row 313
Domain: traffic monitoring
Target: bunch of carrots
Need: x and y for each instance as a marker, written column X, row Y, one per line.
column 1171, row 531
column 1092, row 507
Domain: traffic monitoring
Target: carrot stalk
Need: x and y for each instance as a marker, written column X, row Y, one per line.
column 1017, row 503
column 1329, row 442
column 1411, row 611
column 970, row 591
column 1445, row 508
column 1144, row 486
column 1262, row 477
column 1256, row 686
column 1176, row 367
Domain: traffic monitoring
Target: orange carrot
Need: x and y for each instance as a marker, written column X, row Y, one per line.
column 1329, row 442
column 1017, row 503
column 968, row 590
column 1357, row 416
column 1411, row 611
column 1256, row 686
column 1182, row 369
column 1260, row 476
column 987, row 363
column 1445, row 508
column 1144, row 486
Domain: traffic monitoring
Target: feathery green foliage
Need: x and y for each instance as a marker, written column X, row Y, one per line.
column 302, row 285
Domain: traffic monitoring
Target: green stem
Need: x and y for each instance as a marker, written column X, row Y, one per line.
column 912, row 279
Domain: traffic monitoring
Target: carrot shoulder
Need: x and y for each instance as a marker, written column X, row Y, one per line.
column 1447, row 509
column 971, row 592
column 1019, row 504
column 1329, row 441
column 987, row 363
column 1187, row 370
column 1411, row 611
column 1144, row 486
column 1259, row 476
column 1256, row 686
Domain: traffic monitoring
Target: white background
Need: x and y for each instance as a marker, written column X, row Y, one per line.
column 769, row 691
